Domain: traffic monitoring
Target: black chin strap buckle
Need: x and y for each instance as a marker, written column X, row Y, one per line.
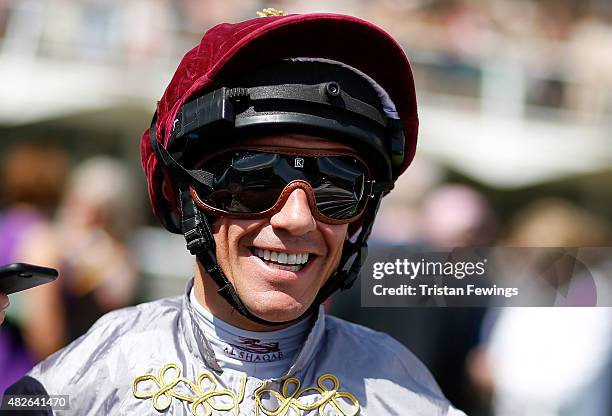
column 194, row 239
column 193, row 226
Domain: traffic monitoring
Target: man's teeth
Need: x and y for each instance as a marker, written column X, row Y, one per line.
column 283, row 258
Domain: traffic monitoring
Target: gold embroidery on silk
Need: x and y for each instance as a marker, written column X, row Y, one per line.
column 202, row 402
column 204, row 392
column 328, row 397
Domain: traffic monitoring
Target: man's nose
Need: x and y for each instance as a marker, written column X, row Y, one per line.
column 295, row 215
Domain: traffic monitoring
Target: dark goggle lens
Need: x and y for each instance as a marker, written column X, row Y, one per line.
column 251, row 182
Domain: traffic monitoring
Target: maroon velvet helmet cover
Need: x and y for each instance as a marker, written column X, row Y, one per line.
column 228, row 49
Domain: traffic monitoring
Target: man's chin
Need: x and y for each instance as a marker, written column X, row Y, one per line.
column 277, row 308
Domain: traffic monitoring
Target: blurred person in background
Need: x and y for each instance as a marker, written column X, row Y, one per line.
column 457, row 216
column 550, row 361
column 31, row 182
column 400, row 219
column 96, row 217
column 86, row 242
column 591, row 65
column 450, row 216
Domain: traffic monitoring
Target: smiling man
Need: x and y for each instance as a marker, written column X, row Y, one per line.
column 277, row 264
column 270, row 151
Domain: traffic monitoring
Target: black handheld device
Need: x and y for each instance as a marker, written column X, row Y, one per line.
column 16, row 277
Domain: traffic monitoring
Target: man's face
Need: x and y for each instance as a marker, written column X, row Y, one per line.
column 269, row 289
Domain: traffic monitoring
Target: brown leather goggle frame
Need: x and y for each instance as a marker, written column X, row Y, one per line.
column 289, row 188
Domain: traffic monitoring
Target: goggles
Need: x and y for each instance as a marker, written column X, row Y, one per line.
column 255, row 184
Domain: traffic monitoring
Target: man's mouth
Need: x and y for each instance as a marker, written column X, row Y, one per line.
column 293, row 262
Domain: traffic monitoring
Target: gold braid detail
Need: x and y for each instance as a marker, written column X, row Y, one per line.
column 270, row 11
column 202, row 402
column 291, row 401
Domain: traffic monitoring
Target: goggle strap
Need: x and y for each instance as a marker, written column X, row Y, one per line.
column 328, row 93
column 379, row 187
column 170, row 163
column 216, row 107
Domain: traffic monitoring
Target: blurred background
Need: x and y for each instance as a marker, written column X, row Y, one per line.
column 515, row 147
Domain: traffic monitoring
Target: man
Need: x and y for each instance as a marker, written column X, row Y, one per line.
column 270, row 151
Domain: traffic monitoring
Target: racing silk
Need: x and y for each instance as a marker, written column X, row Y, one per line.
column 154, row 358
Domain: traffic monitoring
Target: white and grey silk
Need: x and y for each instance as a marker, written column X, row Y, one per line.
column 154, row 359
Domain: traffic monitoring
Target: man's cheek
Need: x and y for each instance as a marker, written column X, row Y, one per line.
column 216, row 224
column 220, row 232
column 340, row 235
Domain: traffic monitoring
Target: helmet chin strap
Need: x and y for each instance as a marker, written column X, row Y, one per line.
column 201, row 243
